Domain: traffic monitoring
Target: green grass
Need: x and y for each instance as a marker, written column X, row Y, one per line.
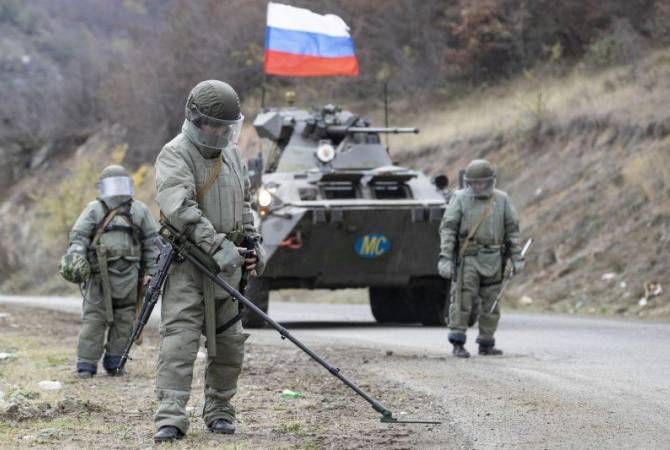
column 293, row 428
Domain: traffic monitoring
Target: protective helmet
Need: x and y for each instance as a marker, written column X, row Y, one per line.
column 74, row 267
column 480, row 177
column 213, row 115
column 115, row 182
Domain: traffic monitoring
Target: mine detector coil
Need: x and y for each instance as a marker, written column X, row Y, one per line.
column 178, row 248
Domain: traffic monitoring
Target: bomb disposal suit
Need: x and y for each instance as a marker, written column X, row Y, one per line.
column 112, row 252
column 203, row 190
column 479, row 232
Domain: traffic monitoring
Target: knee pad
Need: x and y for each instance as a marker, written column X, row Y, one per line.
column 178, row 350
column 224, row 369
column 180, row 343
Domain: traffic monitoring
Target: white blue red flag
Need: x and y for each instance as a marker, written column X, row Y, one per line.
column 301, row 43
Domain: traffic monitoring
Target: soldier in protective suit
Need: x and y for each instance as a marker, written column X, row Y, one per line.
column 479, row 232
column 203, row 190
column 112, row 250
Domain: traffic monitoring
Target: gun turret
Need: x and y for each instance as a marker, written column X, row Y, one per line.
column 331, row 123
column 340, row 130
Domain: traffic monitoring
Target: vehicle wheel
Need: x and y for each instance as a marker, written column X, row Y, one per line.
column 391, row 305
column 431, row 302
column 258, row 292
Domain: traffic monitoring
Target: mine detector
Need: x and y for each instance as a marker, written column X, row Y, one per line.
column 335, row 212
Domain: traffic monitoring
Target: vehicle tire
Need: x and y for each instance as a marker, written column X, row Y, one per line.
column 431, row 302
column 258, row 292
column 391, row 305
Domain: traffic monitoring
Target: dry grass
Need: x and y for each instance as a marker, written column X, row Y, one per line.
column 118, row 411
column 630, row 93
column 648, row 169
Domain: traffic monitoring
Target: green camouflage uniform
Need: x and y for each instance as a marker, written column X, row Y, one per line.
column 192, row 304
column 125, row 249
column 482, row 266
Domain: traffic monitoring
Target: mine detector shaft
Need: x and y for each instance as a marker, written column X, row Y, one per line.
column 336, row 212
column 177, row 248
column 509, row 275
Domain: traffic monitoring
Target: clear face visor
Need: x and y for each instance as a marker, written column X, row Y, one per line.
column 480, row 186
column 115, row 186
column 212, row 132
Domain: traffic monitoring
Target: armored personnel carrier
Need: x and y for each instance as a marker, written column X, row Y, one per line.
column 335, row 212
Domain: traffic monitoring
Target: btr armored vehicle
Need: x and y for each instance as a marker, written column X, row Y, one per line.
column 335, row 212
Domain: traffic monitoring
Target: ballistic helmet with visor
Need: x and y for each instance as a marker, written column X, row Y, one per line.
column 480, row 177
column 213, row 115
column 115, row 182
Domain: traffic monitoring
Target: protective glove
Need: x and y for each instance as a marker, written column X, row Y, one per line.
column 445, row 267
column 228, row 257
column 518, row 266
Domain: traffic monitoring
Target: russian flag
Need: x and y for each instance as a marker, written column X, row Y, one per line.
column 300, row 43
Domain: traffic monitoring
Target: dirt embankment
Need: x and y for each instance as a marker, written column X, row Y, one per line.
column 587, row 163
column 118, row 411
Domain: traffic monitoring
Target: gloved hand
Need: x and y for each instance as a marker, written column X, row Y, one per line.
column 250, row 261
column 445, row 267
column 228, row 257
column 518, row 266
column 74, row 267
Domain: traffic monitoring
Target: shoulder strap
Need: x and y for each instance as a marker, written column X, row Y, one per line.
column 126, row 215
column 103, row 224
column 209, row 182
column 474, row 229
column 104, row 205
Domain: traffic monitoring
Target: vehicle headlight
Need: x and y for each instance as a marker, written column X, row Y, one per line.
column 325, row 153
column 264, row 198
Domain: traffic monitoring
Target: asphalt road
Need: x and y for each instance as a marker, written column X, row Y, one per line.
column 564, row 382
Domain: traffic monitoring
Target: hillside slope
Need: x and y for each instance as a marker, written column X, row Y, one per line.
column 585, row 156
column 586, row 159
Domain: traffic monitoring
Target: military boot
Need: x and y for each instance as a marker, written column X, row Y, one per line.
column 222, row 426
column 487, row 347
column 167, row 433
column 86, row 370
column 489, row 350
column 459, row 351
column 111, row 364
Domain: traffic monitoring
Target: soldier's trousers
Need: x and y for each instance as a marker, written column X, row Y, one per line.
column 475, row 287
column 182, row 324
column 94, row 328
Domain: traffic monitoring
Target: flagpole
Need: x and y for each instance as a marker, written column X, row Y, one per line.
column 267, row 4
column 386, row 110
